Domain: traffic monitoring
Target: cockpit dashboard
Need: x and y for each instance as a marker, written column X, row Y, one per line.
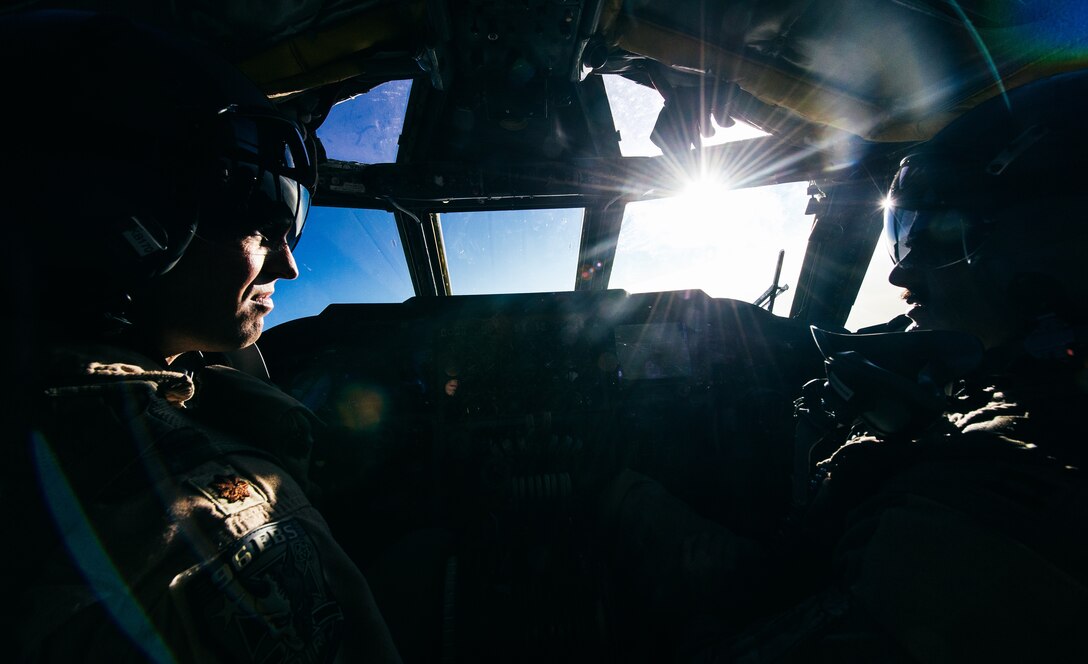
column 495, row 422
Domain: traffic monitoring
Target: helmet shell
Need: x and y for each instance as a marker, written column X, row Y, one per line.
column 1028, row 143
column 112, row 154
column 1021, row 149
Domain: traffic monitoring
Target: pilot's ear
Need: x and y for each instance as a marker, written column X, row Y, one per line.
column 143, row 248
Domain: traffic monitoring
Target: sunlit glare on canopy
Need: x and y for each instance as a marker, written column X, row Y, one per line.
column 703, row 196
column 635, row 109
column 878, row 301
column 723, row 242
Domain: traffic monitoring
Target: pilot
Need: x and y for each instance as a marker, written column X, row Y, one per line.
column 961, row 536
column 163, row 514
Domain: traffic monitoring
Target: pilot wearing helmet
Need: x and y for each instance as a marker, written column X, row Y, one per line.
column 953, row 524
column 984, row 223
column 163, row 196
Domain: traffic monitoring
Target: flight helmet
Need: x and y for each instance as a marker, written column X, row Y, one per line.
column 130, row 141
column 1026, row 147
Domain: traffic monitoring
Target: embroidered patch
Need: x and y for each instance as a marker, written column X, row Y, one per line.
column 229, row 491
column 262, row 600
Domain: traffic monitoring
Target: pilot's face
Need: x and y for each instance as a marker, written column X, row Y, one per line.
column 216, row 297
column 951, row 298
column 988, row 298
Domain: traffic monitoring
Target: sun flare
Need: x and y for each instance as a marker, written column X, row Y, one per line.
column 703, row 199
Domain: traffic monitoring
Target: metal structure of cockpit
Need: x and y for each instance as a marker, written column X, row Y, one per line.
column 485, row 418
column 508, row 110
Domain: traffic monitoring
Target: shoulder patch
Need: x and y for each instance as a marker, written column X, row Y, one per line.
column 264, row 599
column 228, row 491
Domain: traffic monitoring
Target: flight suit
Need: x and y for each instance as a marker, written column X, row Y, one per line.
column 184, row 530
column 965, row 543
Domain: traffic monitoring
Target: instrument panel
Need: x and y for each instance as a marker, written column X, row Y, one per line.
column 667, row 381
column 497, row 422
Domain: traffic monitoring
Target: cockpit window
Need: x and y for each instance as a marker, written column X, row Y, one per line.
column 878, row 301
column 724, row 242
column 512, row 251
column 634, row 112
column 345, row 255
column 366, row 128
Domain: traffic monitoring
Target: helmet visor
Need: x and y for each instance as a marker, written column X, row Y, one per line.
column 255, row 200
column 931, row 238
column 267, row 179
column 271, row 141
column 933, row 214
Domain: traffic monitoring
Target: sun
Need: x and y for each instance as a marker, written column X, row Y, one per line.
column 704, row 199
column 714, row 210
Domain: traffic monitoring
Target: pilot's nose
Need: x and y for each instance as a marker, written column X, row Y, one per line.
column 903, row 275
column 281, row 264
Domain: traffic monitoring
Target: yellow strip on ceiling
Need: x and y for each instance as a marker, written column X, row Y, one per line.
column 772, row 86
column 330, row 55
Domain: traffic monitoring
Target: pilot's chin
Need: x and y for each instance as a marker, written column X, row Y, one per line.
column 920, row 318
column 250, row 333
